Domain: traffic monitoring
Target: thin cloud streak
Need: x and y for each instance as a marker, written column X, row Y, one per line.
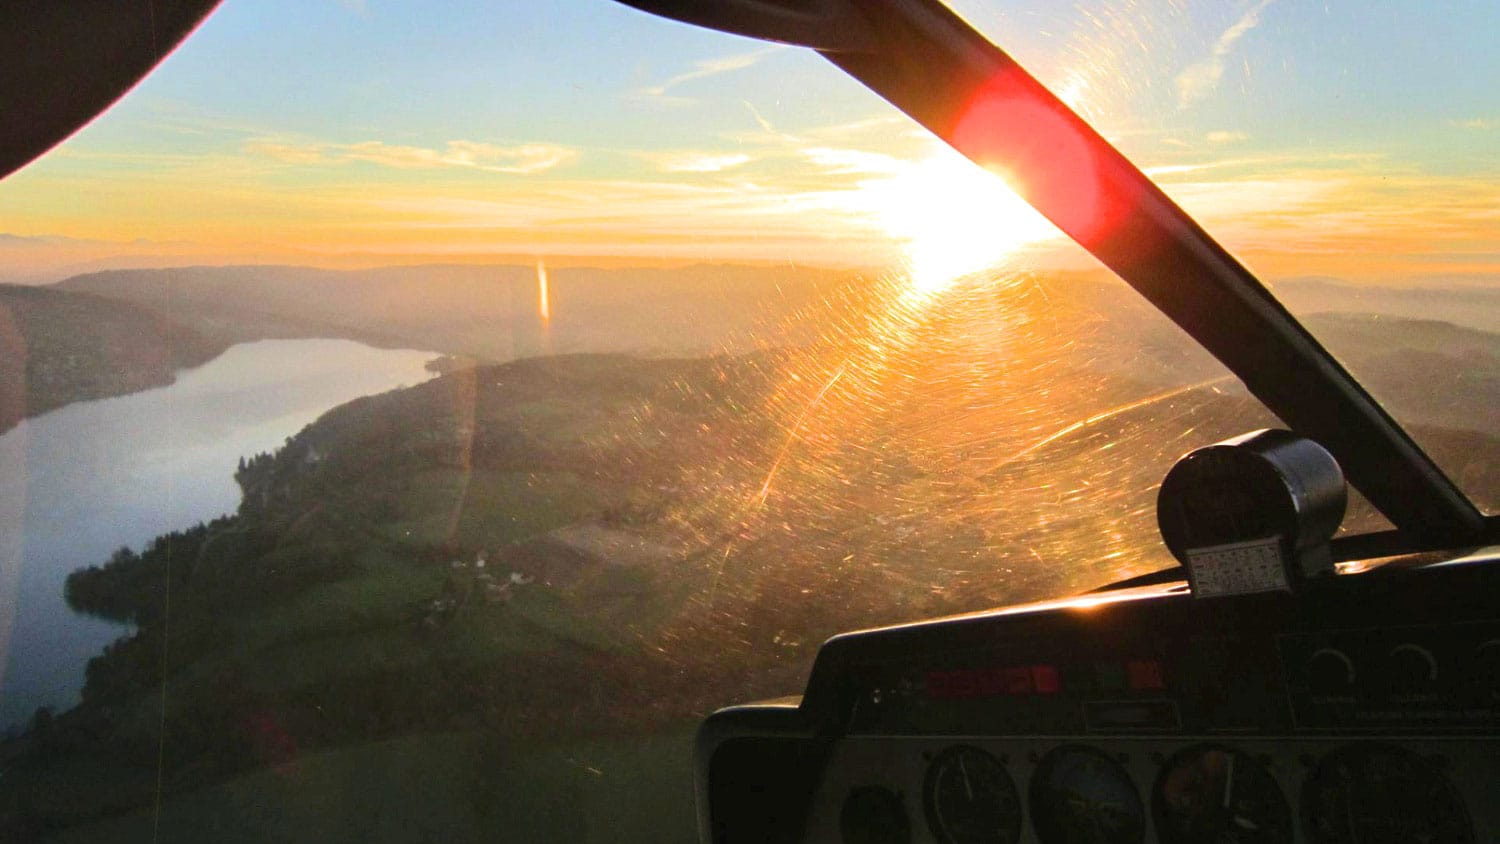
column 1223, row 137
column 703, row 70
column 696, row 162
column 524, row 159
column 1199, row 80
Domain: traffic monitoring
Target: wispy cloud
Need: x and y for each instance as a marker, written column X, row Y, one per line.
column 524, row 159
column 288, row 152
column 22, row 241
column 1337, row 213
column 696, row 162
column 839, row 161
column 765, row 125
column 1223, row 137
column 1199, row 80
column 703, row 70
column 1475, row 124
column 1238, row 167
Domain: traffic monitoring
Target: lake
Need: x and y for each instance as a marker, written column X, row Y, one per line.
column 81, row 481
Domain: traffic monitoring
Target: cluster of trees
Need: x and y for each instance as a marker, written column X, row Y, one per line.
column 131, row 587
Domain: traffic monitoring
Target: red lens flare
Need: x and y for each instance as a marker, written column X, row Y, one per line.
column 1014, row 127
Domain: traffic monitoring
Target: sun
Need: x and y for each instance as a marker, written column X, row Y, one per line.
column 952, row 218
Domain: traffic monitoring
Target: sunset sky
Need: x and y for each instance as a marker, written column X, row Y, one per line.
column 1326, row 138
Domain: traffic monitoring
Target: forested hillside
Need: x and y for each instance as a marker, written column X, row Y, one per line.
column 58, row 347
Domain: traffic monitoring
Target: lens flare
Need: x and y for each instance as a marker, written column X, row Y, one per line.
column 543, row 304
column 953, row 218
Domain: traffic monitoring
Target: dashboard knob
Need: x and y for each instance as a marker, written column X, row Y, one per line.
column 1329, row 671
column 1412, row 669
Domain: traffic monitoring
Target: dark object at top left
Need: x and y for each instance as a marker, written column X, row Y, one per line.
column 63, row 62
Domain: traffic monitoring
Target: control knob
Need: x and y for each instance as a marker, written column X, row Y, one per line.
column 1412, row 669
column 1329, row 671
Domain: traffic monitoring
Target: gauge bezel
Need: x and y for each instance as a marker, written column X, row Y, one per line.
column 1040, row 819
column 937, row 766
column 1456, row 809
column 1166, row 834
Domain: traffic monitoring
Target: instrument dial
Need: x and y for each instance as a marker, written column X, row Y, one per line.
column 1079, row 795
column 1382, row 794
column 1212, row 793
column 970, row 798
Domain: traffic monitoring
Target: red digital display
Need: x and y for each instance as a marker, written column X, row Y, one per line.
column 993, row 682
column 1014, row 681
column 1046, row 679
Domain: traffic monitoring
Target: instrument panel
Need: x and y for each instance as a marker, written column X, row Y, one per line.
column 1181, row 791
column 1363, row 710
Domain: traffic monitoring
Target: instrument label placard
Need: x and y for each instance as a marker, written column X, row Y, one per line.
column 1238, row 568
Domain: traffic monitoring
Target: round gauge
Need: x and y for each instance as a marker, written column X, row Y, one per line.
column 1381, row 794
column 874, row 815
column 1081, row 796
column 1214, row 793
column 970, row 799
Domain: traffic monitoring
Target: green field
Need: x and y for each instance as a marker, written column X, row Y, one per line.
column 449, row 787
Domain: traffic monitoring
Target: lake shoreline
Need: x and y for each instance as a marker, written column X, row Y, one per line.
column 84, row 480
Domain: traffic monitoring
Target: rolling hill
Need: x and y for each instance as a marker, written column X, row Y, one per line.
column 487, row 312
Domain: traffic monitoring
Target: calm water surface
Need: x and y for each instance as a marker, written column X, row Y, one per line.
column 80, row 482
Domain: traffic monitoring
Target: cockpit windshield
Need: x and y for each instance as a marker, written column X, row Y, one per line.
column 416, row 419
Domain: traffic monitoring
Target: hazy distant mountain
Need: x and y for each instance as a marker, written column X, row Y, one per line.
column 1469, row 306
column 1432, row 370
column 58, row 347
column 1423, row 371
column 1425, row 352
column 490, row 312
